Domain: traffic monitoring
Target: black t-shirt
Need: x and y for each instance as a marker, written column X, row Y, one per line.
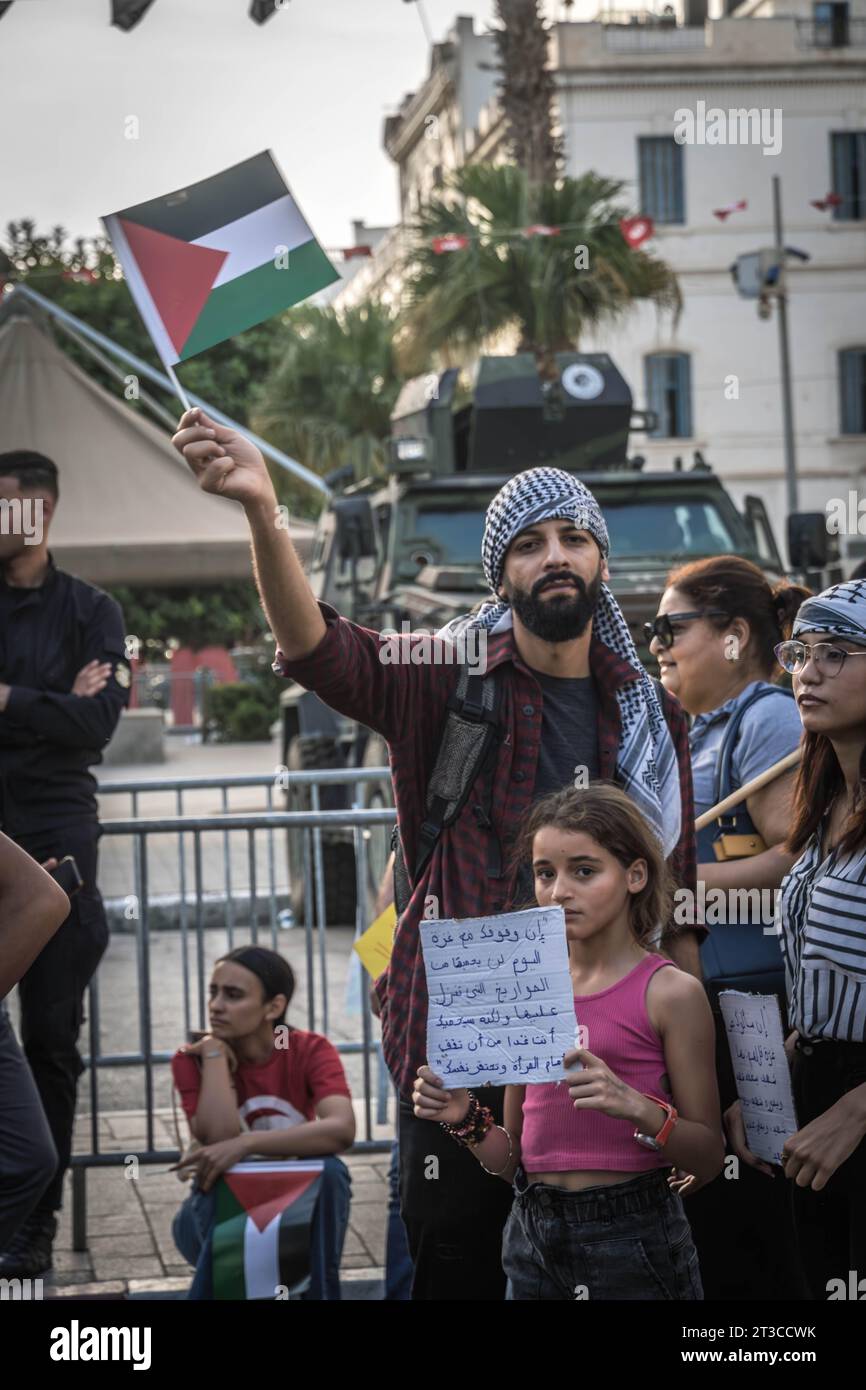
column 569, row 741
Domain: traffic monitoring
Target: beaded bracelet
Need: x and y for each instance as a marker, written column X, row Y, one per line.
column 474, row 1125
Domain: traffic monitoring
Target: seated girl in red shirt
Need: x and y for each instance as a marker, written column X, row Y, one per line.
column 293, row 1098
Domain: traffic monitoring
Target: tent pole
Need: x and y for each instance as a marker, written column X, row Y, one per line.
column 159, row 379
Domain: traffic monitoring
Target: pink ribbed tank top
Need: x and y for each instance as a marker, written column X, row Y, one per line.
column 615, row 1027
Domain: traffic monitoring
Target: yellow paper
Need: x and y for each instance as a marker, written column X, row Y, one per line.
column 374, row 947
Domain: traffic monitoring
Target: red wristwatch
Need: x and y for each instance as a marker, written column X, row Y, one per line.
column 664, row 1133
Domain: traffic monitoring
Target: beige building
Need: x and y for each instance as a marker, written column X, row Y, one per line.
column 696, row 110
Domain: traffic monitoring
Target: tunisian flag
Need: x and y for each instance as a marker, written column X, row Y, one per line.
column 636, row 230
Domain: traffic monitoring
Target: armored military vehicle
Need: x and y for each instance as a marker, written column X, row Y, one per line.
column 406, row 549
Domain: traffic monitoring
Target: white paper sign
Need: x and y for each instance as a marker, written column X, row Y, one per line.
column 500, row 1001
column 754, row 1027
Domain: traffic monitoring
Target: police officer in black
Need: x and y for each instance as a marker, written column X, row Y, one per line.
column 64, row 679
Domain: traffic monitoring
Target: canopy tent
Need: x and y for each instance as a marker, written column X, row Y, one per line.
column 130, row 511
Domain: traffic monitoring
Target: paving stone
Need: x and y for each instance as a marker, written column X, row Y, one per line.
column 142, row 1243
column 353, row 1244
column 369, row 1223
column 355, row 1262
column 164, row 1285
column 70, row 1277
column 363, row 1173
column 369, row 1194
column 132, row 1223
column 67, row 1260
column 115, row 1287
column 119, row 1267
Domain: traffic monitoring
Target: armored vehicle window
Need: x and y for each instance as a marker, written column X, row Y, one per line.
column 454, row 535
column 659, row 528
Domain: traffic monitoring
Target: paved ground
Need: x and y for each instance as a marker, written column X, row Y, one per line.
column 128, row 1220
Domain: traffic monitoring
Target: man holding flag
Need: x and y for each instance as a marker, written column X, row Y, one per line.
column 612, row 722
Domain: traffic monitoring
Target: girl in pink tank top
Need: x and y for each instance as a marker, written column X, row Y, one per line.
column 597, row 1214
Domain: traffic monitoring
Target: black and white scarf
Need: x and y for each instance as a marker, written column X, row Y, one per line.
column 646, row 764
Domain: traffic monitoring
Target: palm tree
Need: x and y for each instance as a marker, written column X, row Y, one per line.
column 328, row 400
column 551, row 289
column 526, row 89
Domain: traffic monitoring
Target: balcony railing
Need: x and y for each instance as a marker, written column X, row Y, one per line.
column 842, row 33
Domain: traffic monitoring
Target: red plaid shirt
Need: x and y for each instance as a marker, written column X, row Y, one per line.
column 406, row 704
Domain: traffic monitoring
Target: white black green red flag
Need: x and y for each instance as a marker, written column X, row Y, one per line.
column 261, row 1239
column 206, row 262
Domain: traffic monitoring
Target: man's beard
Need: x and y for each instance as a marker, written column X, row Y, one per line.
column 563, row 616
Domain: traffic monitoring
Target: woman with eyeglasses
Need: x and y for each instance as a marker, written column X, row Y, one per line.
column 822, row 917
column 718, row 623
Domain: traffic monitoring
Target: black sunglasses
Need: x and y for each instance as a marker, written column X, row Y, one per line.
column 661, row 627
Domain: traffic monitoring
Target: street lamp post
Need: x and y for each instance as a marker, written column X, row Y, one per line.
column 784, row 353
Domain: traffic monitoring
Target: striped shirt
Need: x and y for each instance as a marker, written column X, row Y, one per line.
column 822, row 919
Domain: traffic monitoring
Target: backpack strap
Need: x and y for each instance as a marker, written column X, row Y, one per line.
column 723, row 786
column 469, row 742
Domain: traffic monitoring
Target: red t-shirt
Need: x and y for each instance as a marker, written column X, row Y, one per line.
column 278, row 1093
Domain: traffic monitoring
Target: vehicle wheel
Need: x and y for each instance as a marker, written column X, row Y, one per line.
column 305, row 754
column 375, row 796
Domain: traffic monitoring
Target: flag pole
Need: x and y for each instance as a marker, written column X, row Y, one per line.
column 178, row 388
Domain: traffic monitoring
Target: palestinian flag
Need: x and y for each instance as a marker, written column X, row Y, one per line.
column 206, row 262
column 261, row 1239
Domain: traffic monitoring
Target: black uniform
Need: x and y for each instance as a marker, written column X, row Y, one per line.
column 49, row 739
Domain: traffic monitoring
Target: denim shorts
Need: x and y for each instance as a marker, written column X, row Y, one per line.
column 631, row 1240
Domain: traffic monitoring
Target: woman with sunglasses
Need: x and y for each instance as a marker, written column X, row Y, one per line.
column 718, row 623
column 823, row 930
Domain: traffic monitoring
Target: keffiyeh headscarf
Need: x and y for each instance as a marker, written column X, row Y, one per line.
column 646, row 764
column 840, row 610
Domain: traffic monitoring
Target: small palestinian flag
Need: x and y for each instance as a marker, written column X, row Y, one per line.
column 261, row 1239
column 206, row 262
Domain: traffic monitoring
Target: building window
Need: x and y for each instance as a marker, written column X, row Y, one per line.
column 831, row 23
column 660, row 160
column 848, row 152
column 669, row 394
column 852, row 390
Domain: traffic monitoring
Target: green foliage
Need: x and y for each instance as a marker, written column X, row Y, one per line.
column 236, row 713
column 225, row 615
column 504, row 280
column 328, row 400
column 243, row 711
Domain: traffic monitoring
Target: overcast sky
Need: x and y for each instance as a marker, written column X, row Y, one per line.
column 209, row 88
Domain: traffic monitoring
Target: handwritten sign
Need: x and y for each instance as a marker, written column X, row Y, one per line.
column 500, row 1002
column 754, row 1028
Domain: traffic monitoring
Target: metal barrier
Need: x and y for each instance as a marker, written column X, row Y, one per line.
column 191, row 923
